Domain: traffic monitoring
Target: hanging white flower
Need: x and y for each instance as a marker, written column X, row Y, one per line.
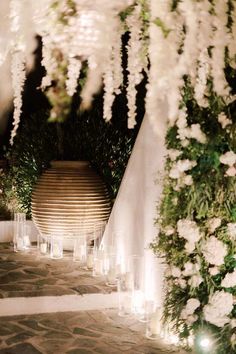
column 229, row 280
column 232, row 230
column 218, row 308
column 213, row 224
column 214, row 251
column 136, row 63
column 224, row 120
column 18, row 79
column 229, row 158
column 74, row 67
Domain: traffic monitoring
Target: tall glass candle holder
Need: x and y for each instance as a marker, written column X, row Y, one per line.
column 112, row 270
column 154, row 325
column 19, row 231
column 89, row 257
column 79, row 250
column 124, row 288
column 56, row 247
column 98, row 262
column 43, row 244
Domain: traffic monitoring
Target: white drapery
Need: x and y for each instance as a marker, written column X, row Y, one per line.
column 131, row 228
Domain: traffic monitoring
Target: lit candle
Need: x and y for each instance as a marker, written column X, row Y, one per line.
column 90, row 261
column 26, row 241
column 43, row 247
column 57, row 250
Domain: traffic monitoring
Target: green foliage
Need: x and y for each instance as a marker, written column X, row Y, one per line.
column 211, row 195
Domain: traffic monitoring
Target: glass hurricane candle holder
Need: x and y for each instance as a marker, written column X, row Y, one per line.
column 154, row 323
column 19, row 231
column 43, row 244
column 89, row 257
column 56, row 247
column 79, row 250
column 112, row 269
column 124, row 288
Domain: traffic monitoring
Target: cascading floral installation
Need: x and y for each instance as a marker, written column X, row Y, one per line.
column 197, row 213
column 188, row 49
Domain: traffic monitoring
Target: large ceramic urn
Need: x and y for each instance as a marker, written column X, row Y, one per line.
column 69, row 197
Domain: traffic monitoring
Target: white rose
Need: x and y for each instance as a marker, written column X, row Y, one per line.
column 196, row 133
column 218, row 308
column 223, row 120
column 232, row 230
column 174, row 153
column 231, row 172
column 190, row 269
column 213, row 270
column 185, row 142
column 185, row 165
column 189, row 247
column 195, row 281
column 188, row 180
column 175, row 272
column 182, row 283
column 174, row 173
column 229, row 280
column 213, row 224
column 229, row 158
column 191, row 306
column 188, row 230
column 214, row 251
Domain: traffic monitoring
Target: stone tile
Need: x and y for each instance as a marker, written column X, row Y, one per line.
column 86, row 332
column 84, row 342
column 32, row 324
column 23, row 348
column 37, row 271
column 80, row 351
column 21, row 337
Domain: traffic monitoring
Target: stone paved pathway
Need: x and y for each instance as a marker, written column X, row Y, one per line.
column 32, row 276
column 89, row 332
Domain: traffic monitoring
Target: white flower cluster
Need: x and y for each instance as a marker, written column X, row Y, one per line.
column 178, row 170
column 18, row 79
column 214, row 251
column 213, row 224
column 229, row 159
column 136, row 62
column 224, row 120
column 112, row 78
column 188, row 230
column 74, row 67
column 219, row 307
column 187, row 313
column 186, row 132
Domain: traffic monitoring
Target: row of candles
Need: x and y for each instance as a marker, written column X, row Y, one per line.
column 127, row 276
